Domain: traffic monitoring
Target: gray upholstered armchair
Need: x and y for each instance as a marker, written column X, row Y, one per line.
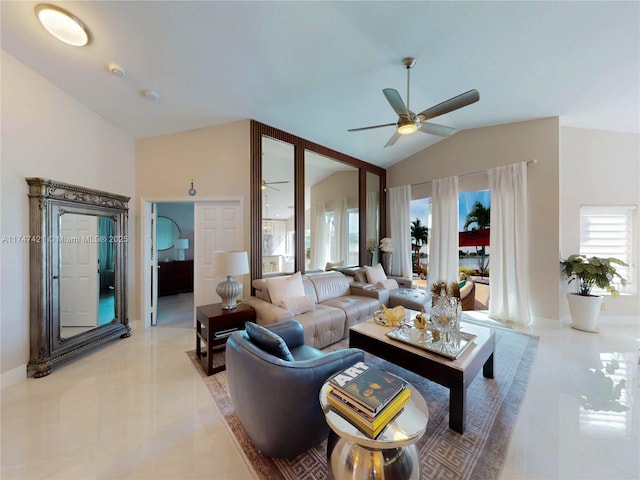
column 277, row 400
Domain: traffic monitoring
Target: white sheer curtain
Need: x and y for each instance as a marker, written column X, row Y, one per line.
column 509, row 286
column 319, row 240
column 342, row 231
column 443, row 261
column 373, row 214
column 400, row 223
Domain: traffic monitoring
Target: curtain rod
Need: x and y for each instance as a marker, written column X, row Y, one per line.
column 535, row 160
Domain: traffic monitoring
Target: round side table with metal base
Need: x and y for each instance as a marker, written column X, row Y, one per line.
column 393, row 454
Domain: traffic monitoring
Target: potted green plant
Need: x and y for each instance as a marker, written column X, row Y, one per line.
column 589, row 272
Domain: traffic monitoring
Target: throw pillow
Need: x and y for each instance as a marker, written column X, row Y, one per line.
column 332, row 265
column 360, row 276
column 389, row 284
column 268, row 341
column 298, row 305
column 289, row 286
column 375, row 274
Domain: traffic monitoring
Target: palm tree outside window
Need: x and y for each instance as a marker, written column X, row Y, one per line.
column 419, row 239
column 479, row 218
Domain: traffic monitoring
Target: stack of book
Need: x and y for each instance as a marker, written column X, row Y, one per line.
column 367, row 396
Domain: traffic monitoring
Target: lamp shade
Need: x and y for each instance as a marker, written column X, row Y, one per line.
column 182, row 243
column 230, row 263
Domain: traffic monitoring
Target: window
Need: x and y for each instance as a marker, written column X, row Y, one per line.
column 606, row 231
column 474, row 209
column 474, row 212
column 420, row 211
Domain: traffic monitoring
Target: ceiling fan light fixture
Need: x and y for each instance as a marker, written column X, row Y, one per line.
column 408, row 122
column 407, row 128
column 63, row 25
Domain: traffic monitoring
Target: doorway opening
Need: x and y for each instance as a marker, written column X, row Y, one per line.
column 178, row 239
column 175, row 252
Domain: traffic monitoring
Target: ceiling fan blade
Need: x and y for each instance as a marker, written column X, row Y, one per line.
column 369, row 128
column 266, row 185
column 394, row 138
column 396, row 102
column 450, row 105
column 435, row 129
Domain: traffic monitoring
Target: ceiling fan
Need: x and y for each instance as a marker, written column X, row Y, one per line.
column 266, row 185
column 408, row 122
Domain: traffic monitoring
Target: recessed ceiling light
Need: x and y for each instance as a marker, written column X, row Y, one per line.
column 63, row 25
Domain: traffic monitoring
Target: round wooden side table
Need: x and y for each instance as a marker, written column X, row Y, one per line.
column 393, row 454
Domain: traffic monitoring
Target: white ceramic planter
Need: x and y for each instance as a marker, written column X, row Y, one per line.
column 584, row 312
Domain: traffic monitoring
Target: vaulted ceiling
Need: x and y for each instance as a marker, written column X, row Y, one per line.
column 316, row 69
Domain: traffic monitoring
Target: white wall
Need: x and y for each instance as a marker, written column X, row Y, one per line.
column 46, row 133
column 479, row 149
column 598, row 168
column 218, row 160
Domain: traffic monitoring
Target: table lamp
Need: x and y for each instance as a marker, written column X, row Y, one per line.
column 181, row 245
column 229, row 264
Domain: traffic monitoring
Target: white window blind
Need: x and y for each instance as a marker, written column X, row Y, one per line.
column 607, row 231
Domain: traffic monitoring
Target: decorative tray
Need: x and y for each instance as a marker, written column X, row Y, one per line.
column 423, row 338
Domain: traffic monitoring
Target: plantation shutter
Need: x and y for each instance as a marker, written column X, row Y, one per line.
column 606, row 231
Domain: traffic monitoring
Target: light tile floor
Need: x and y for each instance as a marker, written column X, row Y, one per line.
column 134, row 409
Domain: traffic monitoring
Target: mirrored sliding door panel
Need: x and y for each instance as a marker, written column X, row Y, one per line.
column 331, row 212
column 278, row 199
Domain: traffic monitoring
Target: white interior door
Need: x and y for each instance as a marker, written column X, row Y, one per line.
column 153, row 265
column 79, row 277
column 218, row 226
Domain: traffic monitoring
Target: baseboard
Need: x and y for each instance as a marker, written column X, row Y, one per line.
column 624, row 320
column 546, row 322
column 613, row 320
column 11, row 377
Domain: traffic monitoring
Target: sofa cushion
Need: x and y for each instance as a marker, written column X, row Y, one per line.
column 309, row 289
column 389, row 284
column 375, row 274
column 323, row 325
column 413, row 298
column 262, row 291
column 356, row 308
column 285, row 287
column 268, row 341
column 330, row 285
column 360, row 275
column 298, row 305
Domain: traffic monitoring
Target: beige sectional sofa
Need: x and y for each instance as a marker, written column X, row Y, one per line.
column 338, row 303
column 327, row 304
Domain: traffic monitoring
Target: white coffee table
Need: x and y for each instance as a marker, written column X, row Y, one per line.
column 393, row 454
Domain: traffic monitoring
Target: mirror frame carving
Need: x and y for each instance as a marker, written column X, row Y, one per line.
column 258, row 130
column 48, row 199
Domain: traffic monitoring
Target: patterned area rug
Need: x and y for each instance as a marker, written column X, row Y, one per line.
column 492, row 409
